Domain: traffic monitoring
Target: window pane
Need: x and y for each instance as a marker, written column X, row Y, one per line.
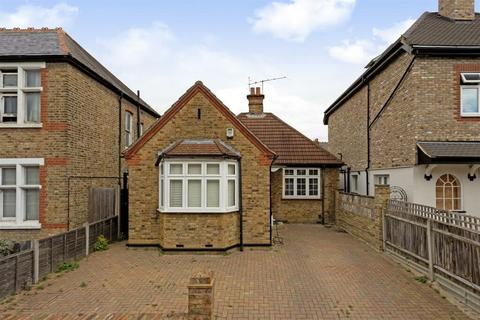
column 301, row 172
column 161, row 192
column 289, row 172
column 469, row 100
column 313, row 172
column 33, row 107
column 194, row 193
column 213, row 168
column 231, row 169
column 231, row 193
column 31, row 204
column 289, row 184
column 301, row 187
column 128, row 121
column 9, row 176
column 176, row 168
column 213, row 193
column 9, row 203
column 313, row 187
column 32, row 78
column 176, row 193
column 32, row 176
column 10, row 104
column 10, row 80
column 195, row 168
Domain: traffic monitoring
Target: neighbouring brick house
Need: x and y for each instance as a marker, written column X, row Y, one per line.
column 64, row 121
column 412, row 120
column 202, row 178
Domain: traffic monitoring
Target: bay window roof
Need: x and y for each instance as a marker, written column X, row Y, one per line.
column 448, row 152
column 199, row 148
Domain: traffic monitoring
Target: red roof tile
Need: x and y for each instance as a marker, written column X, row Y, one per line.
column 207, row 148
column 291, row 147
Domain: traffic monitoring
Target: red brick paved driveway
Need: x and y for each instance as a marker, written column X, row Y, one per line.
column 317, row 274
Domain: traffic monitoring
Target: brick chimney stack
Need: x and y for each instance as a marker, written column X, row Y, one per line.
column 457, row 9
column 255, row 101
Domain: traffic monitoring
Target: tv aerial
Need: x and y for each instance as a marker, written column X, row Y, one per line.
column 261, row 82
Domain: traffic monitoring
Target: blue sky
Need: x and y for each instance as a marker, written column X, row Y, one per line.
column 162, row 47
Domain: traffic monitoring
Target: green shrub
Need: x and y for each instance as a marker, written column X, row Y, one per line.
column 6, row 247
column 101, row 244
column 67, row 266
column 422, row 279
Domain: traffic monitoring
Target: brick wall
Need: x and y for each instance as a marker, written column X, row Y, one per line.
column 362, row 216
column 304, row 211
column 145, row 225
column 79, row 137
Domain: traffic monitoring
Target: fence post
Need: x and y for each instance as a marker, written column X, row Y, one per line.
column 430, row 250
column 382, row 195
column 87, row 239
column 36, row 261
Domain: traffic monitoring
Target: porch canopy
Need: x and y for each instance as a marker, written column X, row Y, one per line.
column 448, row 152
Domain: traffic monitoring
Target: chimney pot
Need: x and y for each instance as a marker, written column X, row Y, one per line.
column 255, row 101
column 457, row 9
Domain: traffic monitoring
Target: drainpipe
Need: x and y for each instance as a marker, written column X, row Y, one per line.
column 323, row 193
column 368, row 140
column 348, row 179
column 120, row 98
column 138, row 114
column 270, row 205
column 240, row 202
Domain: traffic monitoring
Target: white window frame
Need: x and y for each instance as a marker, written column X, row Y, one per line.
column 381, row 179
column 223, row 177
column 20, row 91
column 20, row 187
column 307, row 177
column 470, row 114
column 128, row 128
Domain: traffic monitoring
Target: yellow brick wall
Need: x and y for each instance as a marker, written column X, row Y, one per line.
column 146, row 227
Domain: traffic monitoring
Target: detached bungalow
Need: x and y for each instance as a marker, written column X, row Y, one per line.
column 202, row 178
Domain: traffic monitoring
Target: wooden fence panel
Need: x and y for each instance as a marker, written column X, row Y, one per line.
column 16, row 272
column 101, row 203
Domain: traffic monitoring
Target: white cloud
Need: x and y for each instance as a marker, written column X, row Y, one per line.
column 361, row 51
column 296, row 19
column 163, row 66
column 60, row 15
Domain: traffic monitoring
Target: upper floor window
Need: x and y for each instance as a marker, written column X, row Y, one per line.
column 141, row 128
column 382, row 179
column 470, row 93
column 20, row 88
column 301, row 183
column 128, row 128
column 448, row 193
column 20, row 193
column 198, row 186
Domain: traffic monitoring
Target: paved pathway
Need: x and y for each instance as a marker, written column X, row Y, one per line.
column 317, row 274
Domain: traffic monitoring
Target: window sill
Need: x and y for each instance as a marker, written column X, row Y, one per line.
column 200, row 211
column 5, row 225
column 21, row 126
column 301, row 198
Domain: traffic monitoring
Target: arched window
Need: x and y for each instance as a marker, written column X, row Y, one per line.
column 448, row 193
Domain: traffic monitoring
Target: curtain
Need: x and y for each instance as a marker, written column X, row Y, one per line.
column 31, row 204
column 194, row 193
column 33, row 78
column 213, row 193
column 9, row 203
column 33, row 107
column 195, row 168
column 10, row 104
column 213, row 169
column 231, row 193
column 176, row 169
column 176, row 193
column 32, row 176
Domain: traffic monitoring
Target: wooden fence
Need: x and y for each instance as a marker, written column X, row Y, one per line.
column 444, row 244
column 18, row 271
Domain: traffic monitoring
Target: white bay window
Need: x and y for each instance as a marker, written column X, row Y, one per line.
column 301, row 183
column 198, row 186
column 20, row 89
column 20, row 193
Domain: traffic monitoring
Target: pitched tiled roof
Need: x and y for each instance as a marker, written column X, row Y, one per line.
column 431, row 29
column 450, row 149
column 291, row 147
column 202, row 147
column 56, row 43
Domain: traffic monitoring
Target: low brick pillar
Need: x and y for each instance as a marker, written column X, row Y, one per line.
column 382, row 195
column 200, row 296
